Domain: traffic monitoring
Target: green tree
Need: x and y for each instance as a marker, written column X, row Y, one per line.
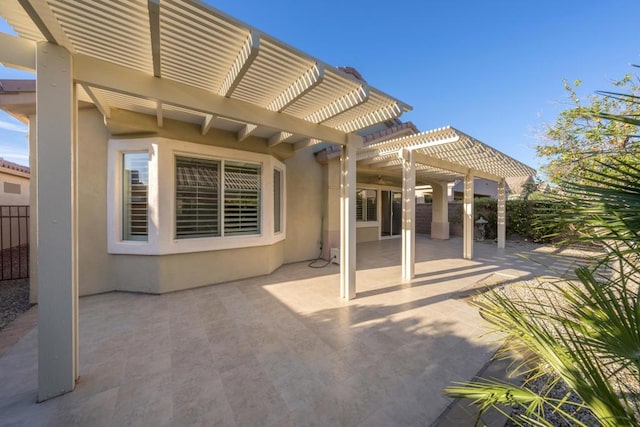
column 582, row 136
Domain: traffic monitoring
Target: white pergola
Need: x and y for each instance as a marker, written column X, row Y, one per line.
column 441, row 156
column 176, row 59
column 186, row 61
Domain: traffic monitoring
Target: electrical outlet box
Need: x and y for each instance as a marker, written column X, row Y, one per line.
column 334, row 255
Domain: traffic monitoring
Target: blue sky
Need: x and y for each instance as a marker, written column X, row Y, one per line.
column 492, row 69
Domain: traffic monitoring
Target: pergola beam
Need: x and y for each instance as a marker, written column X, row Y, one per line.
column 241, row 65
column 379, row 159
column 306, row 143
column 426, row 160
column 159, row 115
column 112, row 77
column 310, row 79
column 388, row 163
column 16, row 52
column 392, row 147
column 453, row 167
column 278, row 138
column 245, row 132
column 154, row 30
column 42, row 16
column 207, row 123
column 99, row 101
column 441, row 163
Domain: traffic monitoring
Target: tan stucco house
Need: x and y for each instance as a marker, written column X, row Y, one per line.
column 14, row 184
column 173, row 146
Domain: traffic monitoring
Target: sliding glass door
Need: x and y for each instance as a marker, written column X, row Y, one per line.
column 391, row 213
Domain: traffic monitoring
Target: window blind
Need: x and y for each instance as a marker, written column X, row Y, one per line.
column 197, row 197
column 241, row 198
column 366, row 205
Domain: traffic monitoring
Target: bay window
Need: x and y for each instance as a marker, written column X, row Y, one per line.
column 168, row 196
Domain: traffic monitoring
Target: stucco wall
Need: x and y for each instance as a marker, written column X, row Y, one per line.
column 100, row 271
column 367, row 234
column 17, row 191
column 167, row 273
column 305, row 194
column 127, row 124
column 95, row 264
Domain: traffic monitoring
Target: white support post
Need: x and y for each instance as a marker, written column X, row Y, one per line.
column 468, row 225
column 348, row 221
column 408, row 215
column 502, row 214
column 56, row 111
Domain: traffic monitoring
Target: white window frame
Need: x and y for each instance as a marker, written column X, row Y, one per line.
column 220, row 197
column 366, row 224
column 116, row 243
column 162, row 218
column 283, row 201
column 127, row 228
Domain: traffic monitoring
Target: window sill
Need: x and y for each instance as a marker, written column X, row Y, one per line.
column 182, row 246
column 367, row 224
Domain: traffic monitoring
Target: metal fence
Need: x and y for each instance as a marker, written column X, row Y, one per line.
column 14, row 242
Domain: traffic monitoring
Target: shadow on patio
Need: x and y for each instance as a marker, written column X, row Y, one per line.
column 281, row 349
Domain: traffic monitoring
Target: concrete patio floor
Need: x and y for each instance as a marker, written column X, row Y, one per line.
column 278, row 350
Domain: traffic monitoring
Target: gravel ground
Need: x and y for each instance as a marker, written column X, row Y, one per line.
column 559, row 391
column 14, row 300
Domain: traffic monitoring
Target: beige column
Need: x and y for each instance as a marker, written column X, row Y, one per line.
column 408, row 215
column 467, row 221
column 348, row 221
column 502, row 214
column 440, row 209
column 56, row 111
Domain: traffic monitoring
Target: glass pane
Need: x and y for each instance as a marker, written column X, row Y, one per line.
column 241, row 198
column 277, row 189
column 197, row 198
column 396, row 214
column 372, row 206
column 360, row 202
column 135, row 187
column 366, row 205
